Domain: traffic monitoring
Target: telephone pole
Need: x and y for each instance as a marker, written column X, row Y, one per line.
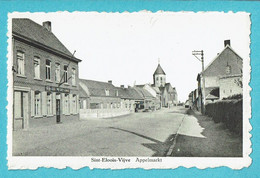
column 201, row 59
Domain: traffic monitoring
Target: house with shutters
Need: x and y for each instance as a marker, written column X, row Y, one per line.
column 223, row 76
column 45, row 76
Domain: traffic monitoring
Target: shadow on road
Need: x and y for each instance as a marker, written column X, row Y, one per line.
column 160, row 148
column 218, row 141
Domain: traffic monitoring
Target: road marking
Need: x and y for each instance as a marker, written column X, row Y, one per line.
column 169, row 153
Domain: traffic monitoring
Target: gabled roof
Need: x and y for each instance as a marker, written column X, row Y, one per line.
column 218, row 56
column 159, row 70
column 97, row 88
column 37, row 34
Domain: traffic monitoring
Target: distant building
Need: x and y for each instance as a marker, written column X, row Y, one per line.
column 169, row 95
column 98, row 95
column 226, row 65
column 45, row 76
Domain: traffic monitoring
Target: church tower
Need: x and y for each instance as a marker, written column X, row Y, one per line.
column 159, row 77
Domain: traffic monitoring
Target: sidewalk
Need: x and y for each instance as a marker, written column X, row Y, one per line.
column 218, row 141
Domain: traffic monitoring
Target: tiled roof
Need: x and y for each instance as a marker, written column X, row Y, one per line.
column 27, row 28
column 144, row 92
column 96, row 88
column 159, row 70
column 82, row 92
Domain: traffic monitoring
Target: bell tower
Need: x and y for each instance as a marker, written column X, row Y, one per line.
column 159, row 76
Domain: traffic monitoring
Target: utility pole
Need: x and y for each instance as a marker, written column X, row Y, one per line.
column 203, row 97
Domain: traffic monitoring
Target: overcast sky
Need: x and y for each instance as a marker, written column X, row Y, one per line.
column 125, row 47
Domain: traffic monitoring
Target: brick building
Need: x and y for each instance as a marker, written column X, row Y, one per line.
column 45, row 76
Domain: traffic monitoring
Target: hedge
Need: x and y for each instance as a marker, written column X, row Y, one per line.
column 230, row 112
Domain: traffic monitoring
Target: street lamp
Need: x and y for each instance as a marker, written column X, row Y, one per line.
column 201, row 59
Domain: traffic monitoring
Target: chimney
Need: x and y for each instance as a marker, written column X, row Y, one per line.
column 122, row 86
column 227, row 42
column 109, row 81
column 47, row 25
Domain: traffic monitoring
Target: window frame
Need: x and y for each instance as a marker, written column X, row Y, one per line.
column 48, row 70
column 20, row 67
column 57, row 76
column 65, row 72
column 38, row 60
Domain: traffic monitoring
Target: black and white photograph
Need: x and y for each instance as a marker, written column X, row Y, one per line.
column 128, row 90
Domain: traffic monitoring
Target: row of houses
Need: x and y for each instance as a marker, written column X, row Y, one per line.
column 223, row 78
column 47, row 88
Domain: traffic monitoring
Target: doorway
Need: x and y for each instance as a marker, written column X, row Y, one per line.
column 21, row 105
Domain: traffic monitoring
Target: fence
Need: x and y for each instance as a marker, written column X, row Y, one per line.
column 230, row 112
column 102, row 113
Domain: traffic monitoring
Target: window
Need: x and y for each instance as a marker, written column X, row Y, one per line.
column 57, row 72
column 228, row 69
column 116, row 92
column 73, row 77
column 107, row 92
column 48, row 70
column 66, row 104
column 37, row 103
column 66, row 74
column 20, row 63
column 36, row 64
column 74, row 105
column 161, row 78
column 49, row 104
column 157, row 78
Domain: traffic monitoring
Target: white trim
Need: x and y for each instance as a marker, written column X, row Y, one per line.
column 18, row 88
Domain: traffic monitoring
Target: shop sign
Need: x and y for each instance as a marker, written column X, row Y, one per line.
column 57, row 89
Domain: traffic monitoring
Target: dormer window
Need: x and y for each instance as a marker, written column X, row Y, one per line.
column 228, row 69
column 107, row 92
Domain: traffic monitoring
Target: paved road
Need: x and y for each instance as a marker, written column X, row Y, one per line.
column 138, row 134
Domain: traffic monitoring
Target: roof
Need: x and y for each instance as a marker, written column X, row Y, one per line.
column 36, row 33
column 156, row 89
column 212, row 93
column 223, row 55
column 144, row 92
column 159, row 70
column 82, row 91
column 169, row 88
column 97, row 88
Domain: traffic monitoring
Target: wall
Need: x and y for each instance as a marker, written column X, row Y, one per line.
column 102, row 113
column 158, row 82
column 229, row 87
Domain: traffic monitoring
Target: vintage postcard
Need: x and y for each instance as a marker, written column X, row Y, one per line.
column 129, row 90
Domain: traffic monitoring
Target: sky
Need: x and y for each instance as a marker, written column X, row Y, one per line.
column 126, row 47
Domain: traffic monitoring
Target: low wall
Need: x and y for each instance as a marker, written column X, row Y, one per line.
column 230, row 112
column 102, row 113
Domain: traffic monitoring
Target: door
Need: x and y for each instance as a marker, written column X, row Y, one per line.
column 58, row 110
column 20, row 120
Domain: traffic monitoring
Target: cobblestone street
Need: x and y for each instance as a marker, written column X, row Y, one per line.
column 137, row 134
